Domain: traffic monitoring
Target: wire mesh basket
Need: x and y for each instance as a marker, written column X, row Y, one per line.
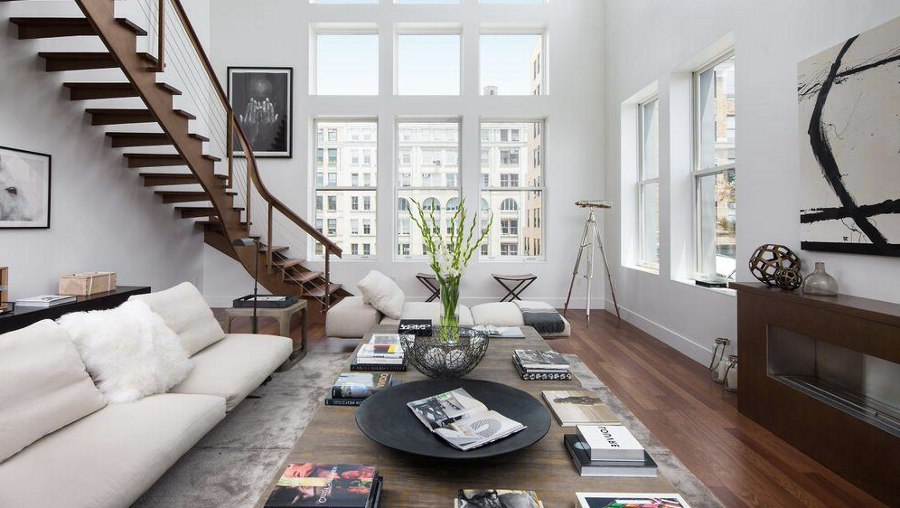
column 449, row 352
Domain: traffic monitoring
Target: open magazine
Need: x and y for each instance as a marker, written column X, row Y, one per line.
column 462, row 420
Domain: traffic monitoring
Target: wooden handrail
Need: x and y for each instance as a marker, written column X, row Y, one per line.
column 252, row 169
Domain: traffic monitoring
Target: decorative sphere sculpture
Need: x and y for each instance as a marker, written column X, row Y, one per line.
column 768, row 259
column 788, row 279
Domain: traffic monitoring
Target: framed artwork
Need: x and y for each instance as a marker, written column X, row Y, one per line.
column 849, row 98
column 24, row 189
column 262, row 100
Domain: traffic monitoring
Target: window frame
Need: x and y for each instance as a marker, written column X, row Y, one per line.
column 398, row 168
column 697, row 172
column 317, row 29
column 414, row 29
column 371, row 191
column 541, row 31
column 643, row 182
column 526, row 188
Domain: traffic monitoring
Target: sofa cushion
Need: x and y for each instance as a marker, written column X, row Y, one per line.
column 379, row 291
column 235, row 366
column 108, row 459
column 129, row 351
column 351, row 318
column 497, row 314
column 186, row 312
column 43, row 386
column 429, row 310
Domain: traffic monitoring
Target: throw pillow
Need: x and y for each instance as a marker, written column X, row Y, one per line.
column 379, row 291
column 128, row 351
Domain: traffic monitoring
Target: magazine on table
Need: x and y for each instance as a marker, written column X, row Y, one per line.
column 327, row 485
column 496, row 498
column 462, row 420
column 629, row 499
column 501, row 332
column 534, row 359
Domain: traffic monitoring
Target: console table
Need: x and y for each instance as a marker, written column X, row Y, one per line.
column 823, row 373
column 25, row 316
column 417, row 482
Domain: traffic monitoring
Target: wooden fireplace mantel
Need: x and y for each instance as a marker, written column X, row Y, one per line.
column 863, row 453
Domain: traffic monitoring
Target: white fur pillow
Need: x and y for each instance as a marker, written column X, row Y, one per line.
column 379, row 291
column 128, row 351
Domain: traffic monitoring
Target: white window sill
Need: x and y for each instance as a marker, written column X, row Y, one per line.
column 645, row 269
column 722, row 291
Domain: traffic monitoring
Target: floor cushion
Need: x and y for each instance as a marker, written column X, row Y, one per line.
column 235, row 366
column 108, row 459
column 43, row 386
column 186, row 312
column 429, row 310
column 497, row 314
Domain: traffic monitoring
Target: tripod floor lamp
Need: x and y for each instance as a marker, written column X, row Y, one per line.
column 590, row 239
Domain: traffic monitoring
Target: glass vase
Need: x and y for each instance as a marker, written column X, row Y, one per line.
column 820, row 283
column 449, row 306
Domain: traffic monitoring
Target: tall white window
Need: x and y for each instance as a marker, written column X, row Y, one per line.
column 349, row 200
column 648, row 183
column 714, row 170
column 346, row 62
column 512, row 188
column 430, row 177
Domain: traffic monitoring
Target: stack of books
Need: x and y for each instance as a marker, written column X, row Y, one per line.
column 579, row 407
column 352, row 388
column 310, row 485
column 535, row 365
column 608, row 450
column 382, row 353
column 492, row 498
column 44, row 301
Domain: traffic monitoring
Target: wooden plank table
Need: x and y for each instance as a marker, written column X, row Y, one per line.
column 409, row 481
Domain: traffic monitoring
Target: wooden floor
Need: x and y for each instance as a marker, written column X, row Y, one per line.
column 741, row 463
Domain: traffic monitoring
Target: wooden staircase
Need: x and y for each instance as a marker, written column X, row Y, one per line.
column 202, row 193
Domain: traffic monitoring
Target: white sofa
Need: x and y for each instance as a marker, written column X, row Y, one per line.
column 62, row 444
column 352, row 317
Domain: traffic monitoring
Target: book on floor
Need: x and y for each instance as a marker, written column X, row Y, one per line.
column 610, row 442
column 44, row 301
column 540, row 375
column 630, row 500
column 462, row 420
column 359, row 385
column 579, row 451
column 327, row 485
column 579, row 407
column 541, row 360
column 494, row 498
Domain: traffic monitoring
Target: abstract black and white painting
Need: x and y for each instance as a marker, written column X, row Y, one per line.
column 262, row 100
column 849, row 99
column 24, row 189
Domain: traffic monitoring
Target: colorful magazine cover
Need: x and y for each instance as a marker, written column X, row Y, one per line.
column 326, row 485
column 630, row 500
column 497, row 499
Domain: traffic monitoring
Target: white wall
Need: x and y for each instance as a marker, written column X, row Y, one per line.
column 276, row 33
column 655, row 41
column 103, row 218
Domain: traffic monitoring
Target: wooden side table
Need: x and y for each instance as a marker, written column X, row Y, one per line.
column 284, row 316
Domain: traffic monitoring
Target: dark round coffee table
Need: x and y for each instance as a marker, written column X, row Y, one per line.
column 386, row 419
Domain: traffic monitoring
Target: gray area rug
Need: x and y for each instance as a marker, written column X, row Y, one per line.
column 232, row 465
column 688, row 485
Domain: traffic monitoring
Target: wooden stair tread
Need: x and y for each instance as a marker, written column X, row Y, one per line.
column 169, row 88
column 81, row 60
column 319, row 292
column 302, row 278
column 193, row 212
column 288, row 263
column 136, row 139
column 185, row 114
column 45, row 27
column 275, row 248
column 143, row 160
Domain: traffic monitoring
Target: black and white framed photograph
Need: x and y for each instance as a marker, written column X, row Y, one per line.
column 262, row 100
column 24, row 189
column 849, row 98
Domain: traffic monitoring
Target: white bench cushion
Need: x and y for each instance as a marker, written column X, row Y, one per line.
column 497, row 314
column 108, row 459
column 351, row 318
column 235, row 366
column 186, row 312
column 429, row 310
column 43, row 386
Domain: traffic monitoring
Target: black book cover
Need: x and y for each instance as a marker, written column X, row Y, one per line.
column 341, row 401
column 527, row 375
column 377, row 367
column 417, row 327
column 588, row 467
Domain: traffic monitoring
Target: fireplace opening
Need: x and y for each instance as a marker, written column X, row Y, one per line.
column 861, row 385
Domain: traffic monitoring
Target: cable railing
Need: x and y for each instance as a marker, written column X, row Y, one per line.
column 181, row 58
